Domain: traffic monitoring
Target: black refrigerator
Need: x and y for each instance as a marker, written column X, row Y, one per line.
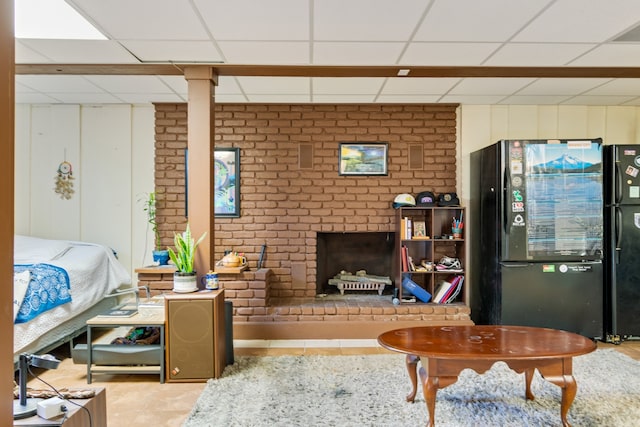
column 537, row 235
column 622, row 237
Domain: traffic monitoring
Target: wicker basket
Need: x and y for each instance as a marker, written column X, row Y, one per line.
column 360, row 286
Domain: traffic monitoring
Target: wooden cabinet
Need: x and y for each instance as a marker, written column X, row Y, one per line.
column 424, row 238
column 195, row 336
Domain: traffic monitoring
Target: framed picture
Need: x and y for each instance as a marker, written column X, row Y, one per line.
column 226, row 182
column 363, row 158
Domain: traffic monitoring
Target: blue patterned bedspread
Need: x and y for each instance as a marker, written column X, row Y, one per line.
column 49, row 287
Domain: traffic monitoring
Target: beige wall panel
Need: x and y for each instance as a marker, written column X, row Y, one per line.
column 596, row 122
column 572, row 122
column 547, row 121
column 22, row 175
column 55, row 137
column 621, row 125
column 142, row 173
column 523, row 122
column 499, row 123
column 106, row 177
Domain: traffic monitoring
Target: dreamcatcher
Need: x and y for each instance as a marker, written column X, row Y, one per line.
column 64, row 178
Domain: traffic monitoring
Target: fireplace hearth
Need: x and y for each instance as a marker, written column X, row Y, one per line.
column 352, row 252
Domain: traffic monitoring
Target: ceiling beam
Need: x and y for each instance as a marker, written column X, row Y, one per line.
column 177, row 69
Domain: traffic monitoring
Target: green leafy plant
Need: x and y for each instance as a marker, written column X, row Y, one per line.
column 184, row 254
column 150, row 209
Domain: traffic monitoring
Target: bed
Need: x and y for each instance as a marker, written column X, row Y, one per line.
column 80, row 280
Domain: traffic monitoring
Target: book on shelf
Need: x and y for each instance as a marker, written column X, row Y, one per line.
column 446, row 288
column 456, row 291
column 120, row 312
column 405, row 258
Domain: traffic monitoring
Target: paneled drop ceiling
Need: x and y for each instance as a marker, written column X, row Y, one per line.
column 404, row 34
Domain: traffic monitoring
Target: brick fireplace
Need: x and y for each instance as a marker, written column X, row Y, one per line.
column 372, row 252
column 286, row 202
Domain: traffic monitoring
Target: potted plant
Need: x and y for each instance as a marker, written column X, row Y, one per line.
column 160, row 256
column 184, row 279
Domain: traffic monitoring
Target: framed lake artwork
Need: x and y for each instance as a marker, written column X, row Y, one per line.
column 363, row 158
column 226, row 178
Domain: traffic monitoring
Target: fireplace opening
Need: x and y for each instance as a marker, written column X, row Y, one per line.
column 352, row 252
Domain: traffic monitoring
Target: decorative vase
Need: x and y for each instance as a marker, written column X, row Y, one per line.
column 184, row 282
column 161, row 257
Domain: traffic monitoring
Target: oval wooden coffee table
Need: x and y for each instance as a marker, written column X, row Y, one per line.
column 446, row 350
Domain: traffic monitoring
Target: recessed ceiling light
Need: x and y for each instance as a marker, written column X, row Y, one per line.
column 403, row 72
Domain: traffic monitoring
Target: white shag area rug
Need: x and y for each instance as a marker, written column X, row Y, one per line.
column 370, row 390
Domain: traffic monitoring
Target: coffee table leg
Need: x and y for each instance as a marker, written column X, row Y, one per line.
column 568, row 394
column 566, row 382
column 569, row 388
column 412, row 369
column 429, row 389
column 528, row 377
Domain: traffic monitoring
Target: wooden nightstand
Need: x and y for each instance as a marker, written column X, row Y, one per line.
column 139, row 319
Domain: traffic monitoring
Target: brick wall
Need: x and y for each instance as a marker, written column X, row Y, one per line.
column 284, row 206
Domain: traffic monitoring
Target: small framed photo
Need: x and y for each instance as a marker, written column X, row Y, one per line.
column 363, row 158
column 226, row 182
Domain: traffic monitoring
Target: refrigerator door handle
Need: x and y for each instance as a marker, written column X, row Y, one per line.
column 512, row 264
column 505, row 180
column 618, row 182
column 618, row 233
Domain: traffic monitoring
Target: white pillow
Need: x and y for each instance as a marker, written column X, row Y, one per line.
column 33, row 250
column 20, row 283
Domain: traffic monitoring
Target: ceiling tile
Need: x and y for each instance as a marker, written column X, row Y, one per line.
column 86, row 98
column 262, row 52
column 617, row 87
column 173, row 51
column 407, row 99
column 143, row 19
column 581, row 21
column 130, row 84
column 561, row 86
column 34, row 98
column 598, row 100
column 356, row 53
column 57, row 83
column 534, row 100
column 479, row 21
column 80, row 51
column 147, row 98
column 471, row 99
column 366, row 20
column 447, row 53
column 275, row 85
column 619, row 55
column 346, row 86
column 489, row 86
column 279, row 98
column 418, row 86
column 256, row 20
column 537, row 54
column 344, row 99
column 25, row 55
